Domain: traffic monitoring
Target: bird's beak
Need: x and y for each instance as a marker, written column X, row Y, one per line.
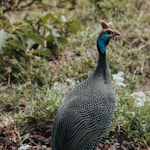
column 114, row 33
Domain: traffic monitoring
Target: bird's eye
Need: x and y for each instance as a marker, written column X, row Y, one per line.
column 108, row 32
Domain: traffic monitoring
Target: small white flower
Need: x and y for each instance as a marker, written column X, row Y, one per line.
column 6, row 121
column 139, row 98
column 119, row 79
column 59, row 86
column 63, row 18
column 132, row 113
column 71, row 82
column 120, row 84
column 24, row 147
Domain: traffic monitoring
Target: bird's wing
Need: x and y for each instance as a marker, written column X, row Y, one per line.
column 81, row 132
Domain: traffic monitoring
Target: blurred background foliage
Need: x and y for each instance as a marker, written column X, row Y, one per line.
column 27, row 36
column 48, row 46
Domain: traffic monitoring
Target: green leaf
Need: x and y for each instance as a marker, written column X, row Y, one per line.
column 4, row 36
column 73, row 26
column 64, row 40
column 57, row 41
column 48, row 18
column 43, row 52
column 17, row 44
column 36, row 38
column 60, row 41
column 52, row 30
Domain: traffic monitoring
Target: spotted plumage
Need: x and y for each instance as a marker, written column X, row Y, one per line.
column 87, row 111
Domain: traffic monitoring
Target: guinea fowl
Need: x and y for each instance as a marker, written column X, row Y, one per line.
column 86, row 112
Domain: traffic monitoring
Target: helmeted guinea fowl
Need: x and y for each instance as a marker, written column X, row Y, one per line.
column 87, row 111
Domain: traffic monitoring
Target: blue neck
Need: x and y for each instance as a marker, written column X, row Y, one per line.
column 101, row 47
column 102, row 68
column 102, row 43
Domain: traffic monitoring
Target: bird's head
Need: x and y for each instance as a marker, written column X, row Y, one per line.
column 106, row 34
